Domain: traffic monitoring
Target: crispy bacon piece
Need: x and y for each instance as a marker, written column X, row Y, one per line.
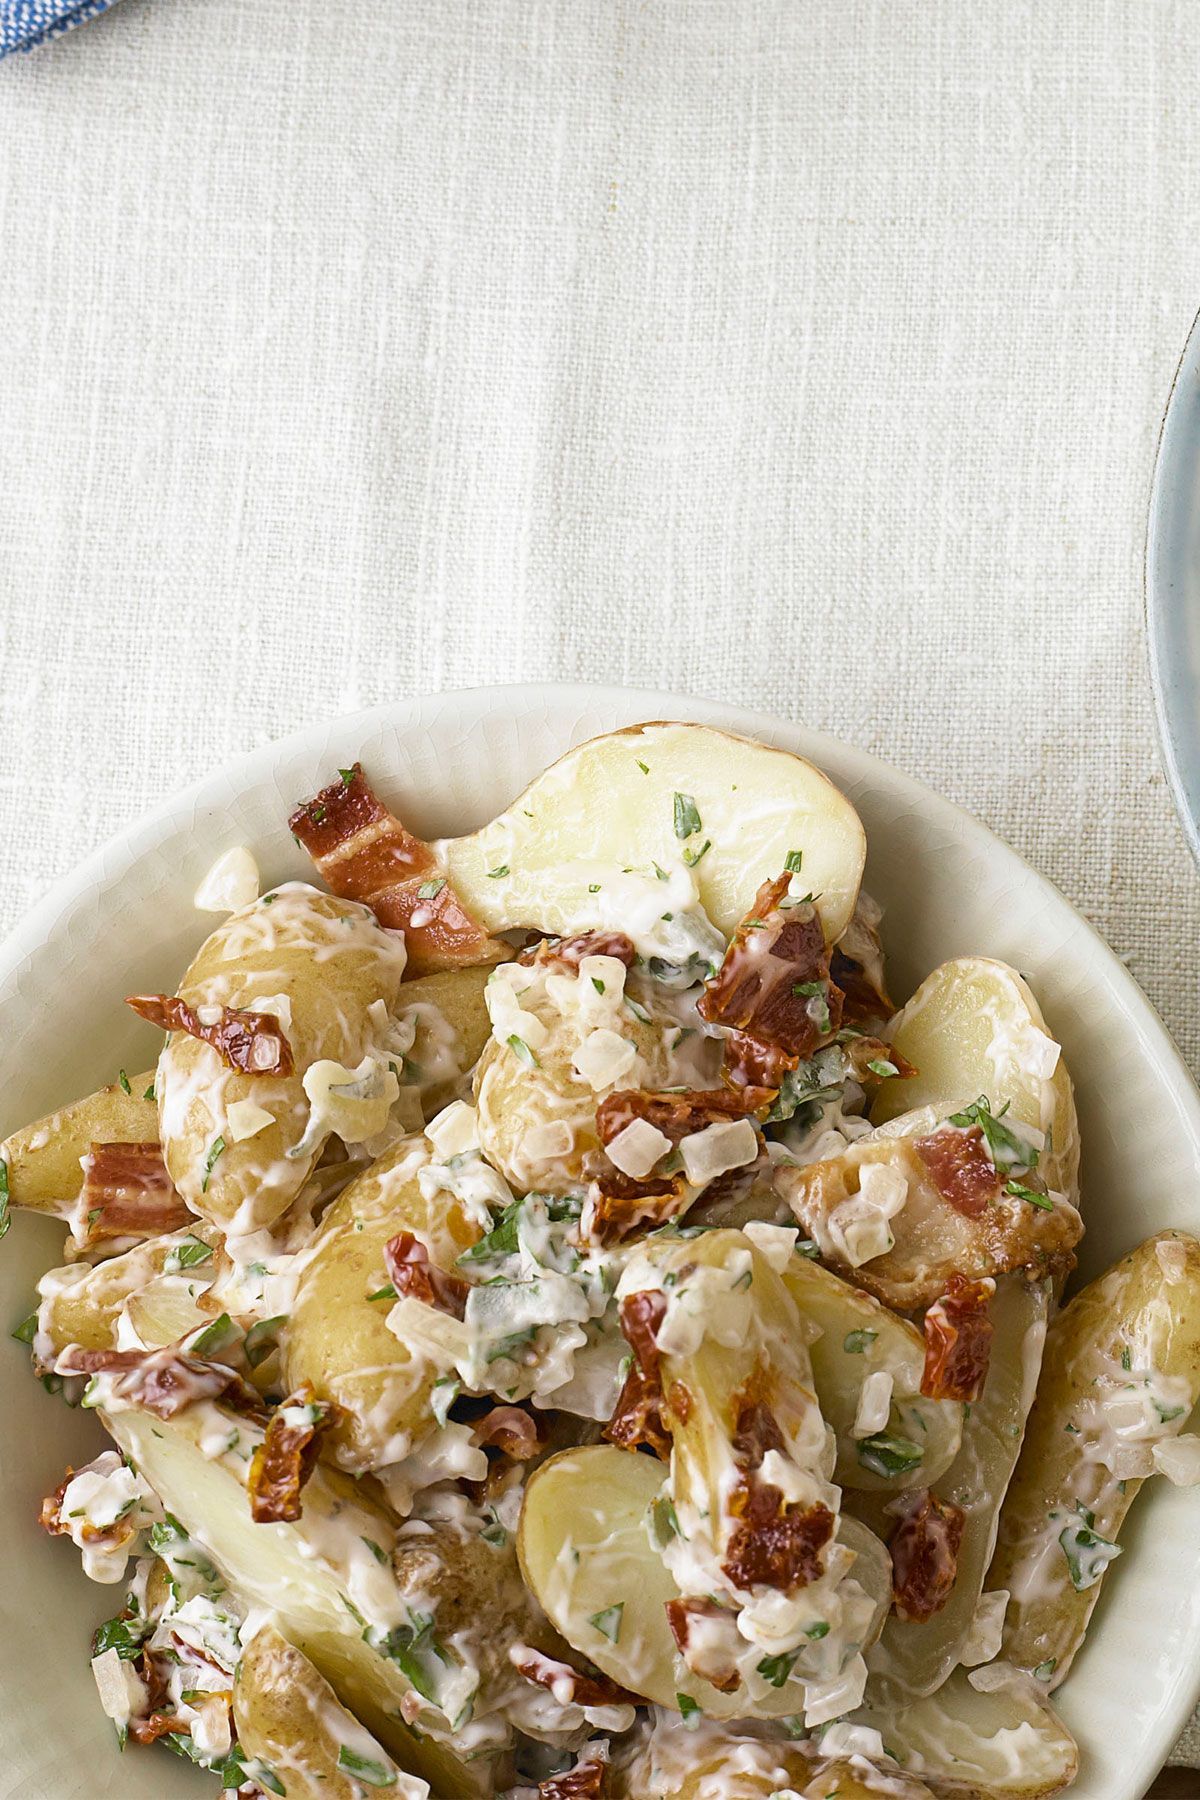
column 624, row 1201
column 413, row 1275
column 569, row 952
column 960, row 1168
column 126, row 1193
column 709, row 1657
column 287, row 1457
column 568, row 1685
column 252, row 1042
column 162, row 1382
column 637, row 1418
column 157, row 1725
column 778, row 950
column 924, row 1549
column 586, row 1781
column 509, row 1429
column 863, row 1003
column 958, row 1340
column 773, row 1543
column 365, row 853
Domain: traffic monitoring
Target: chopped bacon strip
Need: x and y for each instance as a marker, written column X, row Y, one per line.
column 569, row 1686
column 586, row 1781
column 960, row 1168
column 126, row 1193
column 711, row 1659
column 775, row 968
column 569, row 952
column 365, row 853
column 774, row 1542
column 509, row 1429
column 924, row 1549
column 287, row 1457
column 637, row 1418
column 863, row 1003
column 958, row 1340
column 162, row 1382
column 252, row 1042
column 415, row 1277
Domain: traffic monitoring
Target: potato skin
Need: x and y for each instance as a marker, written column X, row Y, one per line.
column 337, row 1340
column 716, row 1761
column 86, row 1313
column 457, row 994
column 288, row 1716
column 43, row 1158
column 330, row 960
column 1136, row 1306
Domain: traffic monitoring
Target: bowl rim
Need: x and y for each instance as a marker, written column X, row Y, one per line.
column 107, row 865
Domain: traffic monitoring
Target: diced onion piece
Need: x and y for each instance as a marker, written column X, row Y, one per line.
column 123, row 1694
column 844, row 1739
column 604, row 1058
column 454, row 1130
column 1040, row 1054
column 546, row 1142
column 727, row 1144
column 232, row 882
column 776, row 1244
column 246, row 1118
column 859, row 1226
column 637, row 1148
column 874, row 1404
column 1179, row 1459
column 353, row 1103
column 982, row 1642
column 1172, row 1259
column 824, row 1700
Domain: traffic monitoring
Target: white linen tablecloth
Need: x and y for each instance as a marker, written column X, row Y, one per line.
column 804, row 353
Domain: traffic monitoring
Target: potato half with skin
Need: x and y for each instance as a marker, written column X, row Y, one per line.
column 1121, row 1371
column 860, row 1337
column 320, row 1577
column 919, row 1657
column 610, row 805
column 289, row 1718
column 337, row 1339
column 974, row 1027
column 452, row 1026
column 716, row 1763
column 82, row 1305
column 973, row 1745
column 43, row 1158
column 585, row 1549
column 316, row 963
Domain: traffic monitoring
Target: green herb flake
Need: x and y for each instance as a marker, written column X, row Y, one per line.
column 263, row 1338
column 5, row 1212
column 879, row 1065
column 855, row 1342
column 1021, row 1192
column 597, row 984
column 687, row 819
column 819, row 1630
column 664, row 1522
column 149, row 1093
column 186, row 1255
column 27, row 1330
column 1087, row 1554
column 522, row 1052
column 124, row 1081
column 593, row 887
column 1126, row 1358
column 608, row 1622
column 644, row 767
column 1045, row 1670
column 690, row 1710
column 498, row 872
column 217, row 1336
column 1006, row 1149
column 347, row 775
column 429, row 890
column 386, row 1292
column 119, row 1634
column 807, row 1247
column 374, row 1774
column 692, row 857
column 889, row 1456
column 793, row 862
column 216, row 1149
column 777, row 1669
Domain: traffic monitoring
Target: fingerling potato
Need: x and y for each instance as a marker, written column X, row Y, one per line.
column 315, row 963
column 711, row 1760
column 1121, row 1372
column 82, row 1305
column 337, row 1339
column 43, row 1159
column 449, row 1014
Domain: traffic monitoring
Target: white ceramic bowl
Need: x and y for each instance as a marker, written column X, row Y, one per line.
column 124, row 922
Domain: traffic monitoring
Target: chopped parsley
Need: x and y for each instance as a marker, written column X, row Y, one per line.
column 119, row 1634
column 216, row 1149
column 1126, row 1358
column 1045, row 1670
column 124, row 1081
column 386, row 1292
column 498, row 872
column 1087, row 1554
column 889, row 1456
column 429, row 890
column 597, row 984
column 879, row 1065
column 347, row 775
column 644, row 767
column 687, row 819
column 27, row 1330
column 262, row 1338
column 692, row 857
column 793, row 861
column 186, row 1255
column 664, row 1521
column 690, row 1710
column 501, row 1240
column 1006, row 1149
column 374, row 1774
column 149, row 1093
column 855, row 1342
column 522, row 1052
column 1018, row 1188
column 777, row 1669
column 608, row 1622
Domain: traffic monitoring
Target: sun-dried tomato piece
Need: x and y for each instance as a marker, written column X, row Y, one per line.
column 365, row 853
column 924, row 1549
column 958, row 1340
column 960, row 1168
column 641, row 1315
column 755, row 1432
column 773, row 1542
column 586, row 1781
column 126, row 1193
column 254, row 1043
column 863, row 1003
column 622, row 1205
column 637, row 1417
column 569, row 952
column 750, row 1064
column 568, row 1685
column 625, row 1202
column 858, row 1053
column 710, row 1652
column 287, row 1456
column 162, row 1382
column 774, row 980
column 416, row 1278
column 509, row 1429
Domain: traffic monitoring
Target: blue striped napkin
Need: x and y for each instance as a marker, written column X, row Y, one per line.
column 27, row 23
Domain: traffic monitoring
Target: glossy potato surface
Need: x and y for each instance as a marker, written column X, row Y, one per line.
column 1143, row 1311
column 87, row 1311
column 713, row 1763
column 859, row 1336
column 289, row 1718
column 598, row 810
column 337, row 1338
column 974, row 1027
column 43, row 1158
column 452, row 1025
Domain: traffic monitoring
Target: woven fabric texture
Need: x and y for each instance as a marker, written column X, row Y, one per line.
column 810, row 356
column 24, row 24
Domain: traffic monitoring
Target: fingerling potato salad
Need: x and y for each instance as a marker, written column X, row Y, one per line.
column 563, row 1332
